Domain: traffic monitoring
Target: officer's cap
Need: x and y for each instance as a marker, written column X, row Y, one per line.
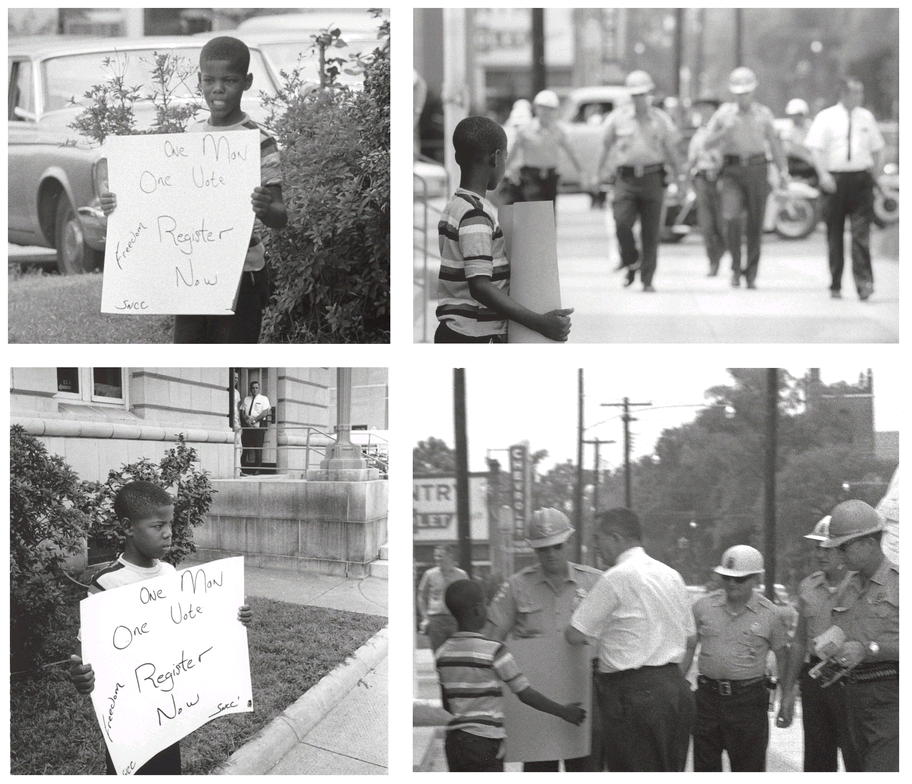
column 853, row 520
column 548, row 527
column 742, row 80
column 821, row 531
column 639, row 83
column 740, row 561
column 547, row 98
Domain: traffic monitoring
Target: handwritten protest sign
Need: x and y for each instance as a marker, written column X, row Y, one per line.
column 177, row 239
column 530, row 236
column 563, row 673
column 169, row 655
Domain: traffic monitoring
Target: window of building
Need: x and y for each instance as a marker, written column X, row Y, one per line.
column 92, row 385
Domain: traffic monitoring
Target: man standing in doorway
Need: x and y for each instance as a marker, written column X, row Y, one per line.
column 537, row 602
column 254, row 413
column 848, row 153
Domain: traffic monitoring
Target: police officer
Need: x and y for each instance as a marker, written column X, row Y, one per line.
column 742, row 129
column 537, row 147
column 736, row 628
column 641, row 141
column 703, row 165
column 825, row 730
column 867, row 610
column 538, row 601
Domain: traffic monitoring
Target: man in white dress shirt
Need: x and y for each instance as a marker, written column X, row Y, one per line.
column 639, row 612
column 848, row 153
column 254, row 413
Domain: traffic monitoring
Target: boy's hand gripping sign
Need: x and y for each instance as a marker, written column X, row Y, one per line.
column 169, row 655
column 177, row 239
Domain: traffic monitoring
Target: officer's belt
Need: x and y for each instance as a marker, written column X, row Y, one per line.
column 745, row 160
column 640, row 170
column 879, row 671
column 541, row 173
column 728, row 688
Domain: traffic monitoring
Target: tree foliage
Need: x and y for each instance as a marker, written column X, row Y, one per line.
column 433, row 456
column 47, row 525
column 331, row 261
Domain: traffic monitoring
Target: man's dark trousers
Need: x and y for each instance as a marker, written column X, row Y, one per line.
column 709, row 215
column 825, row 728
column 736, row 723
column 639, row 197
column 744, row 188
column 468, row 753
column 853, row 198
column 252, row 439
column 647, row 716
column 873, row 714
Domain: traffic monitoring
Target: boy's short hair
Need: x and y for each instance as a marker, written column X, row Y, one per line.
column 461, row 596
column 139, row 498
column 227, row 48
column 476, row 138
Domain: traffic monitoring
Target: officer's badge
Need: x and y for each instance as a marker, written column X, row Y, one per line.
column 730, row 562
column 755, row 628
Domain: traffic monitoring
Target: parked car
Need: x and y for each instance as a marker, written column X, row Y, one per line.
column 583, row 118
column 56, row 176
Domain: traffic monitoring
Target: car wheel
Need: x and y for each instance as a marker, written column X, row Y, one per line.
column 796, row 219
column 74, row 257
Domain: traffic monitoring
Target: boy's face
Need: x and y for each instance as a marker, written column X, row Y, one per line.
column 223, row 87
column 148, row 536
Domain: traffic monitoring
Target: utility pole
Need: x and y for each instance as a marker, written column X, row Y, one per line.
column 463, row 532
column 578, row 499
column 539, row 70
column 627, row 419
column 739, row 37
column 678, row 52
column 769, row 484
column 597, row 442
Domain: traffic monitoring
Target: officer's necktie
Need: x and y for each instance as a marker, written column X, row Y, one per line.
column 250, row 411
column 849, row 138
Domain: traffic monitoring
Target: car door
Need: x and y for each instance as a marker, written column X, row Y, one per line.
column 21, row 130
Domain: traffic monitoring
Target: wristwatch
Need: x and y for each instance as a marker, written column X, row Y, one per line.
column 873, row 648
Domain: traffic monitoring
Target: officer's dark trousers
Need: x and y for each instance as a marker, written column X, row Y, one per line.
column 468, row 753
column 854, row 198
column 647, row 716
column 825, row 728
column 872, row 710
column 639, row 197
column 744, row 189
column 537, row 184
column 252, row 439
column 709, row 215
column 736, row 724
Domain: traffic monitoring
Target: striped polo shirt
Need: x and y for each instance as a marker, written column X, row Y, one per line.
column 471, row 243
column 470, row 668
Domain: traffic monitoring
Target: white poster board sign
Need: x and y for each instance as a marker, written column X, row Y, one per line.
column 563, row 673
column 889, row 508
column 177, row 239
column 530, row 236
column 169, row 655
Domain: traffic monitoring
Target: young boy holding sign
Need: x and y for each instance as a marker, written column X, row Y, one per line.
column 473, row 289
column 223, row 79
column 145, row 512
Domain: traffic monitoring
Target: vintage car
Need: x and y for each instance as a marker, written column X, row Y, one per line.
column 56, row 176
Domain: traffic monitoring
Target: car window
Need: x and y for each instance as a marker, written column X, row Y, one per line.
column 21, row 95
column 287, row 56
column 71, row 76
column 592, row 112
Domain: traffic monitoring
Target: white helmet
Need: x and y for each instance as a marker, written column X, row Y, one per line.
column 547, row 98
column 548, row 527
column 742, row 80
column 821, row 531
column 740, row 561
column 797, row 106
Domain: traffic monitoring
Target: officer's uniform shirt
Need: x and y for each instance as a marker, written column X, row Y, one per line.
column 636, row 142
column 815, row 604
column 870, row 613
column 734, row 647
column 527, row 605
column 829, row 133
column 748, row 135
column 539, row 144
column 640, row 612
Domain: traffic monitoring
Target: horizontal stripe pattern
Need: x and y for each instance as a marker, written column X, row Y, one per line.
column 471, row 244
column 470, row 668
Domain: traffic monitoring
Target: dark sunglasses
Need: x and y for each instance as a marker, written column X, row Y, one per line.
column 738, row 580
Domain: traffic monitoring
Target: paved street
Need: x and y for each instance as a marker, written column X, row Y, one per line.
column 790, row 305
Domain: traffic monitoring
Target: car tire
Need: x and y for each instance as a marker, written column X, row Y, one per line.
column 796, row 220
column 74, row 257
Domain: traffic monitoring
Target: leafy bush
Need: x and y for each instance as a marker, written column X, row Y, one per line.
column 47, row 525
column 177, row 473
column 110, row 105
column 331, row 262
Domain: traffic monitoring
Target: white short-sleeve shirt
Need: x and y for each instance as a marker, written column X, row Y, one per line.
column 640, row 613
column 829, row 133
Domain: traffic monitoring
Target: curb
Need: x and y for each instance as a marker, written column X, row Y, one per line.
column 264, row 751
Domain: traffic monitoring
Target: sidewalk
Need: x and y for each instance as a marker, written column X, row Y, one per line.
column 784, row 754
column 339, row 725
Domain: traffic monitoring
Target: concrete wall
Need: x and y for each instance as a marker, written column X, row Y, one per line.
column 331, row 527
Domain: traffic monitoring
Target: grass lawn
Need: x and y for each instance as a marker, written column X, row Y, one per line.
column 291, row 648
column 66, row 309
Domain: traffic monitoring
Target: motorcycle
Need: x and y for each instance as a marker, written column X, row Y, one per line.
column 886, row 196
